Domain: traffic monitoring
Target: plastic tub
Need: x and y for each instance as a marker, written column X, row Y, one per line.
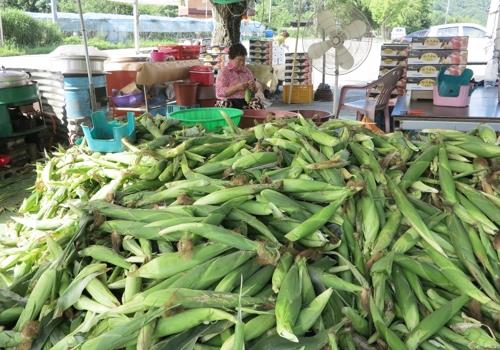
column 130, row 100
column 462, row 100
column 172, row 50
column 209, row 102
column 190, row 52
column 158, row 56
column 185, row 93
column 319, row 117
column 258, row 116
column 203, row 75
column 210, row 118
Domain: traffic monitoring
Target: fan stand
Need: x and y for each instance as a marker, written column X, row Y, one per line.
column 323, row 93
column 336, row 90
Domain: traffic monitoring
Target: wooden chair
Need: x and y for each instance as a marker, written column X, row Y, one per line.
column 367, row 106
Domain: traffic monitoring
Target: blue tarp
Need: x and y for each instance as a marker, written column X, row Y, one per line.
column 113, row 27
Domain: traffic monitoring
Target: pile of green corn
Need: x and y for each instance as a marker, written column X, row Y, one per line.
column 283, row 236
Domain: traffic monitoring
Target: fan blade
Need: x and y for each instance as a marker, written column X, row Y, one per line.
column 319, row 49
column 344, row 58
column 326, row 20
column 355, row 29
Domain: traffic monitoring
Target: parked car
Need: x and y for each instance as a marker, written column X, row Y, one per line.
column 418, row 34
column 397, row 33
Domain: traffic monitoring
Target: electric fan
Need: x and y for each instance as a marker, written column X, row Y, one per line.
column 343, row 42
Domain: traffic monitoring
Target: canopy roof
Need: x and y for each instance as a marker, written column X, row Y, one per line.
column 151, row 2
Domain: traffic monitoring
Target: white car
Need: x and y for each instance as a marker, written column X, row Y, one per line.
column 479, row 42
column 480, row 47
column 397, row 33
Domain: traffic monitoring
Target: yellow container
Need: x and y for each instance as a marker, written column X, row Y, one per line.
column 301, row 94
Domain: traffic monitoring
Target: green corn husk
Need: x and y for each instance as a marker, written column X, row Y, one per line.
column 446, row 178
column 169, row 264
column 191, row 298
column 104, row 254
column 419, row 166
column 387, row 233
column 288, row 304
column 412, row 216
column 435, row 321
column 188, row 319
column 316, row 221
column 41, row 293
column 132, row 285
column 281, row 270
column 465, row 254
column 223, row 195
column 459, row 279
column 199, row 223
column 231, row 280
column 310, row 314
column 255, row 283
column 101, row 293
column 254, row 328
column 405, row 299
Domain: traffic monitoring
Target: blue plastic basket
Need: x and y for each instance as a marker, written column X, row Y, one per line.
column 106, row 136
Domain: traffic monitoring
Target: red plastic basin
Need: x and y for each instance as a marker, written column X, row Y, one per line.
column 319, row 117
column 257, row 116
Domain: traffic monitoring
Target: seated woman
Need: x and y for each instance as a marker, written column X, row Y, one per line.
column 234, row 79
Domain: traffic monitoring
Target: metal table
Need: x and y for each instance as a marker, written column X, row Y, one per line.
column 411, row 114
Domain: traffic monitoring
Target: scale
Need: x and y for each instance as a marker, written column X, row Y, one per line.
column 20, row 107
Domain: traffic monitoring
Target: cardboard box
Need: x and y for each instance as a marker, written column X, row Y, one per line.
column 432, row 70
column 424, row 84
column 385, row 69
column 437, row 57
column 393, row 62
column 394, row 50
column 437, row 43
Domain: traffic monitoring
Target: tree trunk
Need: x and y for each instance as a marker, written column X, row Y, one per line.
column 227, row 23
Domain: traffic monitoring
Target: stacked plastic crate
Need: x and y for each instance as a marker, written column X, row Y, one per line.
column 261, row 51
column 298, row 78
column 214, row 56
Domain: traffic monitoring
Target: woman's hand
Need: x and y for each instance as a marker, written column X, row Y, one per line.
column 242, row 86
column 252, row 86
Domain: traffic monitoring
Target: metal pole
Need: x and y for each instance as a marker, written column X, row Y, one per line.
column 294, row 62
column 336, row 97
column 87, row 59
column 1, row 29
column 53, row 6
column 136, row 25
column 206, row 9
column 447, row 11
column 270, row 6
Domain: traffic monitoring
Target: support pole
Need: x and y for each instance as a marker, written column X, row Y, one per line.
column 87, row 59
column 136, row 25
column 270, row 7
column 294, row 62
column 53, row 6
column 1, row 28
column 447, row 12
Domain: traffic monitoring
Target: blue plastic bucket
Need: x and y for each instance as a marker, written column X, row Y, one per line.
column 269, row 33
column 77, row 95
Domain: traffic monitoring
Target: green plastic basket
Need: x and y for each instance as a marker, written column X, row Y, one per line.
column 226, row 2
column 210, row 118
